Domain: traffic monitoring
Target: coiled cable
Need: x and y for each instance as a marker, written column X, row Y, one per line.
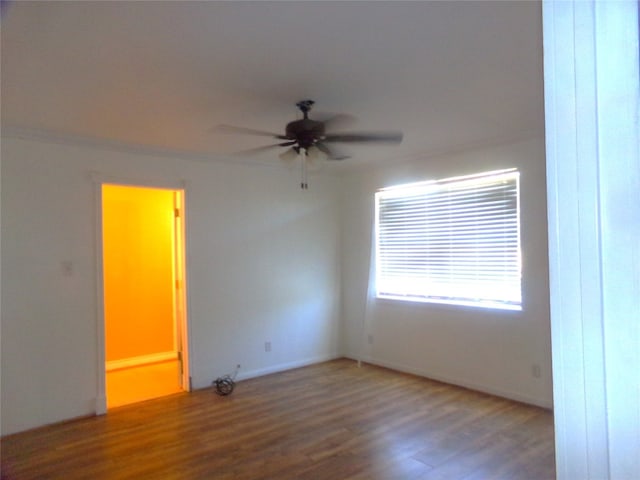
column 224, row 385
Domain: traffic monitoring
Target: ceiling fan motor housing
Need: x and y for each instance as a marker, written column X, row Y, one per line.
column 305, row 132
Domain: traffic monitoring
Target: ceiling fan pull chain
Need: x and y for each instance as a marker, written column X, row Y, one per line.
column 303, row 173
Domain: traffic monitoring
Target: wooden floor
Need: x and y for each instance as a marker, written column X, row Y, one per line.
column 328, row 421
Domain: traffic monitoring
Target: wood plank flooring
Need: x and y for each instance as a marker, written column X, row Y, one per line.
column 327, row 421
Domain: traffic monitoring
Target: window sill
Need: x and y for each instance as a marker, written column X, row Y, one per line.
column 448, row 304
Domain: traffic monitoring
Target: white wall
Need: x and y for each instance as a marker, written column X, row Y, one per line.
column 485, row 349
column 263, row 265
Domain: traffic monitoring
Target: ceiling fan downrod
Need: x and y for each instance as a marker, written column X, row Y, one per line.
column 305, row 107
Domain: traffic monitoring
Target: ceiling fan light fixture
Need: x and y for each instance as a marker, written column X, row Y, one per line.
column 313, row 154
column 289, row 155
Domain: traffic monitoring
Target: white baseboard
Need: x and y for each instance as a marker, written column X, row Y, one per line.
column 140, row 360
column 461, row 383
column 285, row 366
column 281, row 367
column 101, row 405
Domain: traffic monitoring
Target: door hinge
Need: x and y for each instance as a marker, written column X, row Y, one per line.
column 176, row 212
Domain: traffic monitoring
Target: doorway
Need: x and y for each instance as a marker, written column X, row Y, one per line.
column 144, row 294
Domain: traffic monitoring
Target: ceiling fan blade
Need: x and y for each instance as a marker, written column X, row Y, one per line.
column 264, row 148
column 247, row 131
column 331, row 154
column 337, row 121
column 379, row 137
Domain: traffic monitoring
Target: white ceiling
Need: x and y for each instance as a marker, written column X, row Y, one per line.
column 161, row 75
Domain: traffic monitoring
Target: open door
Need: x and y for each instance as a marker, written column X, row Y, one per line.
column 144, row 291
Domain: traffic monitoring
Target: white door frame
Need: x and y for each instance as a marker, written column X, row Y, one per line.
column 98, row 181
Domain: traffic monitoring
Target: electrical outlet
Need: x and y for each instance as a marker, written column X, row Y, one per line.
column 267, row 346
column 370, row 339
column 535, row 370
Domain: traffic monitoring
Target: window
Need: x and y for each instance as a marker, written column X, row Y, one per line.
column 451, row 241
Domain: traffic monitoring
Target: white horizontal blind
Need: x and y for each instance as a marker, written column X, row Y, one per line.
column 451, row 241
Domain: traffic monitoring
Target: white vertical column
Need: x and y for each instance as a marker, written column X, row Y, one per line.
column 593, row 173
column 618, row 78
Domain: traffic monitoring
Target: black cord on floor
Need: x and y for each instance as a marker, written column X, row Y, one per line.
column 225, row 385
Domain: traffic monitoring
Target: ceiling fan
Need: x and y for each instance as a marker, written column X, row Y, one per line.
column 306, row 137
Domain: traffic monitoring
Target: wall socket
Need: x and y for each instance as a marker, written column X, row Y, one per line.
column 267, row 346
column 370, row 339
column 535, row 370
